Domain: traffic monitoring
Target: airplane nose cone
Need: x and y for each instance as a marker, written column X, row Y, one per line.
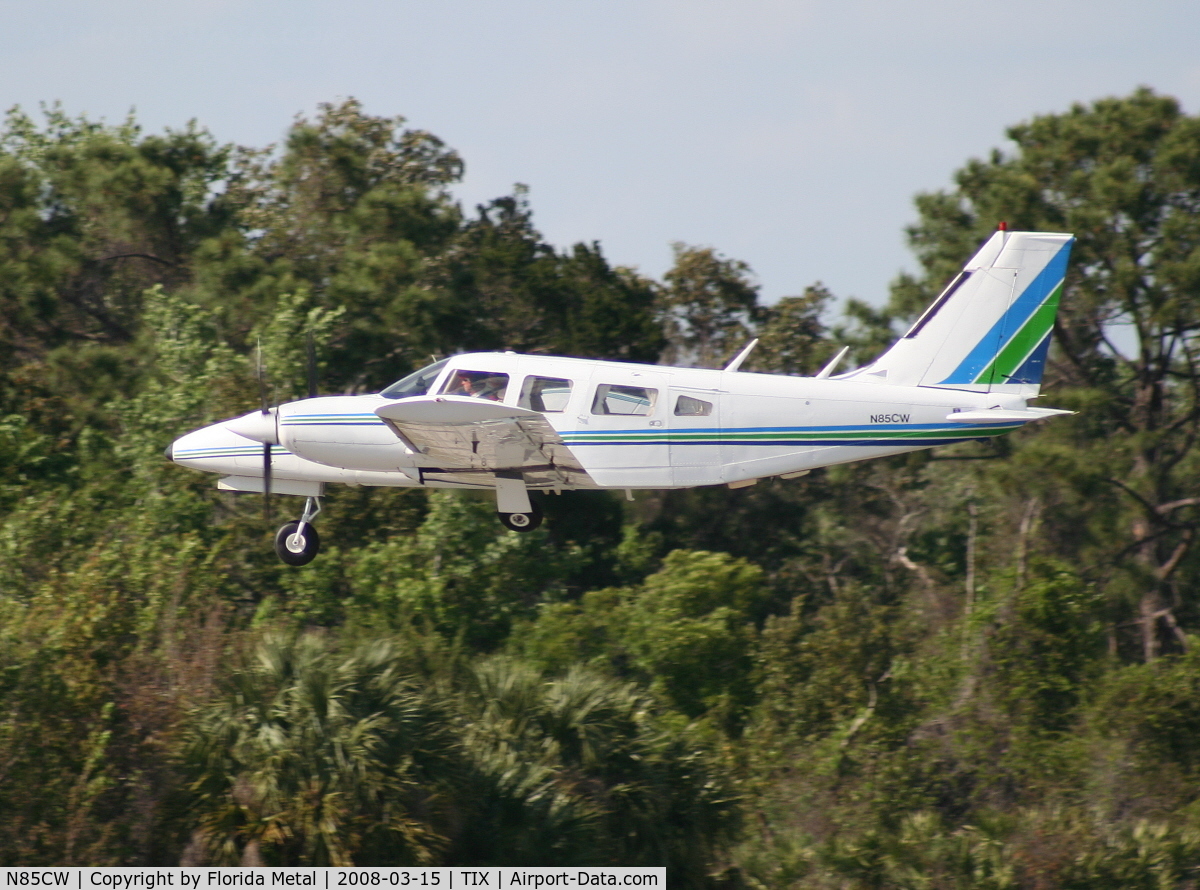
column 256, row 426
column 170, row 452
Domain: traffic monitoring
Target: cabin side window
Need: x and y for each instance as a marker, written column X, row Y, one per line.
column 546, row 394
column 624, row 400
column 686, row 406
column 477, row 385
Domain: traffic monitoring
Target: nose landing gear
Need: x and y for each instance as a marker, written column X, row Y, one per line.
column 297, row 543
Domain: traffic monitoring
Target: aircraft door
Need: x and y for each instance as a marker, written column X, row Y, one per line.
column 695, row 436
column 621, row 437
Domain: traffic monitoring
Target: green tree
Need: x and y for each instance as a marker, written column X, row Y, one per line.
column 709, row 303
column 688, row 632
column 94, row 215
column 792, row 339
column 501, row 286
column 1123, row 175
column 584, row 769
column 140, row 273
column 349, row 212
column 91, row 216
column 458, row 573
column 319, row 755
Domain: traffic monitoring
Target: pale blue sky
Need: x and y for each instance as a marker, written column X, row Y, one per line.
column 788, row 133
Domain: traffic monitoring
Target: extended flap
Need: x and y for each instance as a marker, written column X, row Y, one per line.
column 457, row 435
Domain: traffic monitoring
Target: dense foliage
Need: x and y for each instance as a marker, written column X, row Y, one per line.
column 974, row 667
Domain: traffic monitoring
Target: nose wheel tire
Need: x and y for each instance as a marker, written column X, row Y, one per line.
column 521, row 522
column 296, row 547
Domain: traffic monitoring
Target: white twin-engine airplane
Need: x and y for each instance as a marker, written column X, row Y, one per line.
column 965, row 370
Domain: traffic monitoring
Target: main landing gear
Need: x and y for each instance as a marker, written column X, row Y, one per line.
column 297, row 542
column 513, row 508
column 521, row 522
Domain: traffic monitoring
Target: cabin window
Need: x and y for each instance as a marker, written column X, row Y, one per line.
column 626, row 400
column 686, row 406
column 477, row 384
column 546, row 394
column 417, row 383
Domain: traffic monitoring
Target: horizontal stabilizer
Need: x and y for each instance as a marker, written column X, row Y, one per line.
column 1005, row 415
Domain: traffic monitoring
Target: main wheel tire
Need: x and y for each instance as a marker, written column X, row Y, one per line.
column 522, row 522
column 297, row 550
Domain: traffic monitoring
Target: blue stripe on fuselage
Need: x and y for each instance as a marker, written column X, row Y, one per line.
column 882, row 442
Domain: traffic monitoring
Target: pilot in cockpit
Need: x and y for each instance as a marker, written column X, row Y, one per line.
column 477, row 385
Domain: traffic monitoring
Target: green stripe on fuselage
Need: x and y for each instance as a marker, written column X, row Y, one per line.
column 963, row 431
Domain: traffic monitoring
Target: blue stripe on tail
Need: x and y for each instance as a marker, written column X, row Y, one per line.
column 1012, row 320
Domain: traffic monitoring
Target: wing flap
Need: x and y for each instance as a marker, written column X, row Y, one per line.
column 450, row 410
column 462, row 439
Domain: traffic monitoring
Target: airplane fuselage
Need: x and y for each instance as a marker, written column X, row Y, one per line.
column 966, row 369
column 630, row 426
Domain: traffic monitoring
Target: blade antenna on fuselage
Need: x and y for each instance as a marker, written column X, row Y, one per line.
column 741, row 356
column 833, row 363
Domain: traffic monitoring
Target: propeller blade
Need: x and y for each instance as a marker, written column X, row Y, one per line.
column 267, row 481
column 266, row 410
column 261, row 374
column 311, row 349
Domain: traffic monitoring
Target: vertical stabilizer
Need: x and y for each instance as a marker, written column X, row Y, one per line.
column 989, row 330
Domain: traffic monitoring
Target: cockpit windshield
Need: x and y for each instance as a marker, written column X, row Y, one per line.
column 415, row 384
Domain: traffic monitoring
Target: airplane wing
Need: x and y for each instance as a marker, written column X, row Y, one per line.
column 467, row 440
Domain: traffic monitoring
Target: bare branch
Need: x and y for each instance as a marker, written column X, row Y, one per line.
column 1150, row 508
column 1175, row 505
column 1164, row 571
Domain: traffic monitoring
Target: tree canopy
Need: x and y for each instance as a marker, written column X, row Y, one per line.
column 969, row 667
